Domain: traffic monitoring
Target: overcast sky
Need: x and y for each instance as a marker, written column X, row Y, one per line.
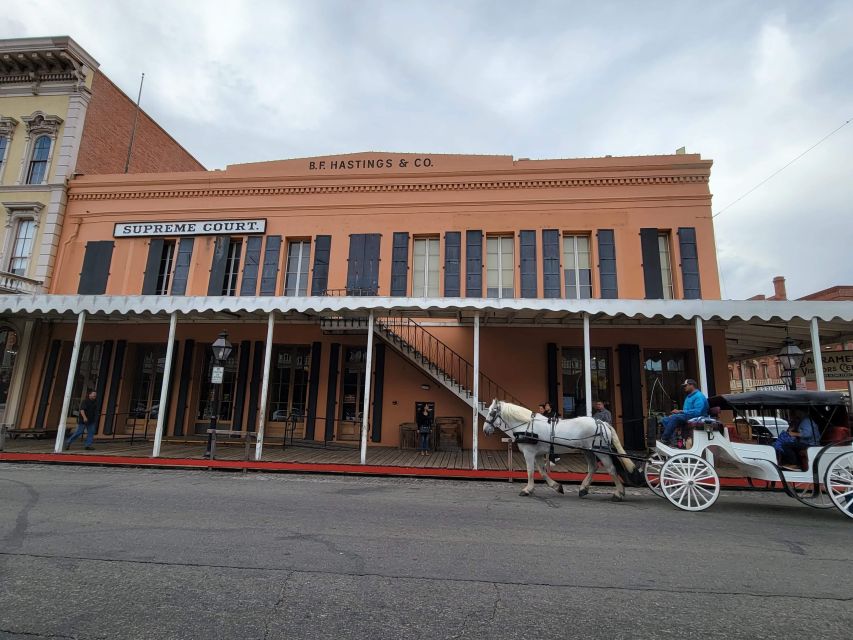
column 748, row 84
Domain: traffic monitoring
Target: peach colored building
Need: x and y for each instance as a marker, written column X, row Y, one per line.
column 399, row 278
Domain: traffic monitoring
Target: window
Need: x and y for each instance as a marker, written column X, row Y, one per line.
column 164, row 271
column 425, row 271
column 289, row 381
column 665, row 265
column 208, row 390
column 4, row 144
column 576, row 267
column 232, row 268
column 353, row 384
column 38, row 164
column 665, row 371
column 298, row 258
column 148, row 380
column 500, row 267
column 764, row 371
column 22, row 247
column 573, row 402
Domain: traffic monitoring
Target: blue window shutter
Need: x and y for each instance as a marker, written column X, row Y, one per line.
column 320, row 277
column 370, row 278
column 217, row 267
column 689, row 263
column 651, row 264
column 529, row 286
column 607, row 264
column 551, row 263
column 269, row 272
column 96, row 267
column 182, row 267
column 400, row 264
column 452, row 256
column 355, row 265
column 473, row 264
column 152, row 267
column 249, row 284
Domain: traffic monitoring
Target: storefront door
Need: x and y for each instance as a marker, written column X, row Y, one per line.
column 207, row 393
column 352, row 394
column 573, row 400
column 144, row 401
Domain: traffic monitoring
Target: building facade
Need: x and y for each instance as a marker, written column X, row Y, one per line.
column 59, row 117
column 426, row 238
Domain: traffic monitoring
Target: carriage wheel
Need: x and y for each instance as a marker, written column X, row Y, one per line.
column 689, row 482
column 839, row 483
column 651, row 471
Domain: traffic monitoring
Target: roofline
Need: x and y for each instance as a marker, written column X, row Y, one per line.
column 40, row 43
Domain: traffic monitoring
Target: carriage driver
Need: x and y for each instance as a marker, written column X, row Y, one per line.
column 695, row 406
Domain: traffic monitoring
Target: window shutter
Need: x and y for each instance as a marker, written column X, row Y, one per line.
column 269, row 275
column 182, row 266
column 332, row 390
column 249, row 284
column 320, row 278
column 452, row 256
column 473, row 264
column 355, row 265
column 553, row 378
column 152, row 267
column 651, row 264
column 217, row 267
column 241, row 385
column 551, row 263
column 400, row 264
column 607, row 264
column 96, row 267
column 47, row 382
column 370, row 277
column 631, row 394
column 185, row 377
column 313, row 389
column 378, row 391
column 115, row 382
column 529, row 286
column 689, row 263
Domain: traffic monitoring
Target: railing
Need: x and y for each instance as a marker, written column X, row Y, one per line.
column 439, row 358
column 12, row 283
column 368, row 291
column 751, row 383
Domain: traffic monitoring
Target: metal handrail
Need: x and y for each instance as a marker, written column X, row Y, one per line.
column 440, row 358
column 352, row 291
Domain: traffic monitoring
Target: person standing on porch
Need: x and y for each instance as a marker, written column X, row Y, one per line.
column 424, row 429
column 87, row 421
column 695, row 406
column 601, row 413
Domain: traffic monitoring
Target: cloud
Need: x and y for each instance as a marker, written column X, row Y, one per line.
column 750, row 85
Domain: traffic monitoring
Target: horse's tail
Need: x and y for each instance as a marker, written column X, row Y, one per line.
column 629, row 465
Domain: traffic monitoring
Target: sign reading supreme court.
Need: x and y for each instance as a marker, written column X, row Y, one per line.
column 837, row 365
column 188, row 228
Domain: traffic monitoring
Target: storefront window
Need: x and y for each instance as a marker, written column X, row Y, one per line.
column 289, row 381
column 573, row 401
column 9, row 345
column 665, row 371
column 207, row 395
column 86, row 380
column 147, row 383
column 352, row 401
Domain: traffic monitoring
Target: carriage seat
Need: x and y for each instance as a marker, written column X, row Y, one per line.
column 712, row 421
column 835, row 434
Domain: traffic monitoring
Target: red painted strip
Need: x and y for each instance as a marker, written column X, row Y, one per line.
column 304, row 467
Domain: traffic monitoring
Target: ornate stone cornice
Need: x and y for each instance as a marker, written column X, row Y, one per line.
column 7, row 126
column 41, row 123
column 412, row 187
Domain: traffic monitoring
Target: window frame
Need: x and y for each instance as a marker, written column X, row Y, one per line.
column 233, row 267
column 7, row 129
column 165, row 276
column 667, row 283
column 424, row 288
column 302, row 275
column 501, row 268
column 44, row 162
column 15, row 241
column 577, row 270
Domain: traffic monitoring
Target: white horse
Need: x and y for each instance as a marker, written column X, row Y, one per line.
column 534, row 436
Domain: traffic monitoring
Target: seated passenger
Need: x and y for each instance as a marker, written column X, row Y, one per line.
column 695, row 406
column 807, row 431
column 787, row 446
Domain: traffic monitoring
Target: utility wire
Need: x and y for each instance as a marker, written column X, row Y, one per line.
column 778, row 171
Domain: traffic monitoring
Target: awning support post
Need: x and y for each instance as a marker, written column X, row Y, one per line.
column 475, row 412
column 587, row 365
column 265, row 385
column 368, row 372
column 816, row 357
column 164, row 386
column 700, row 355
column 69, row 383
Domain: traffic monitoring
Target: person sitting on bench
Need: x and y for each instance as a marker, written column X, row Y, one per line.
column 695, row 406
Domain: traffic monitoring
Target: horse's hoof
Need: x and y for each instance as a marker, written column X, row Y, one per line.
column 559, row 489
column 582, row 493
column 524, row 494
column 616, row 498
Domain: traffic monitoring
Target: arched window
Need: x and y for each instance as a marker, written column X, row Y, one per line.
column 38, row 163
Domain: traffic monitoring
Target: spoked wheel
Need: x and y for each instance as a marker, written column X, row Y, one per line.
column 689, row 482
column 651, row 471
column 811, row 494
column 762, row 485
column 839, row 483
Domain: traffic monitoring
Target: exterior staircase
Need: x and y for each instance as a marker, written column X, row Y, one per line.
column 438, row 361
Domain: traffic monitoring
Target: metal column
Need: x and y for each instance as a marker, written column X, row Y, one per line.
column 587, row 365
column 700, row 355
column 164, row 386
column 816, row 357
column 69, row 383
column 368, row 370
column 265, row 385
column 475, row 414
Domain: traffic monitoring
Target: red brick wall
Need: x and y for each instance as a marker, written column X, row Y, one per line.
column 106, row 135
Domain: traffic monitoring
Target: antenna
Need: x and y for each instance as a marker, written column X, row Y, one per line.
column 135, row 120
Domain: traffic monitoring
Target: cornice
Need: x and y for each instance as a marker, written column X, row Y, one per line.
column 411, row 187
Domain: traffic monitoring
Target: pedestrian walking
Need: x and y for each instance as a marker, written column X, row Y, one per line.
column 424, row 429
column 87, row 420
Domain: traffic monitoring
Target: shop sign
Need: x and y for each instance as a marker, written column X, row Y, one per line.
column 837, row 365
column 391, row 162
column 217, row 375
column 188, row 228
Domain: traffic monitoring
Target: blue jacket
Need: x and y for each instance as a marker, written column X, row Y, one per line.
column 695, row 405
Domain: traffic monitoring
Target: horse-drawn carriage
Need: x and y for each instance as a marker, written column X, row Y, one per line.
column 687, row 477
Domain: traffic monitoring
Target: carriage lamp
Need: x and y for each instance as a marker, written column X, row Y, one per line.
column 790, row 357
column 222, row 348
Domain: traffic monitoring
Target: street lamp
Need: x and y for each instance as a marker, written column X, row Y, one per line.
column 221, row 349
column 790, row 357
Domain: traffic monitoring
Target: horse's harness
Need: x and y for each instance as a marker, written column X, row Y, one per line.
column 528, row 436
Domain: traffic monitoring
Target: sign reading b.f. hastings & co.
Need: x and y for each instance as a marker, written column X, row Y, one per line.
column 188, row 228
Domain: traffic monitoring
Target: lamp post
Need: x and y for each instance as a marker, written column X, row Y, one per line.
column 790, row 357
column 221, row 349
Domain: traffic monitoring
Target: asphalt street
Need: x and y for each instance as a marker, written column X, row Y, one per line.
column 132, row 553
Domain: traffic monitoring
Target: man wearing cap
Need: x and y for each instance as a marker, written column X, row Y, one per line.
column 695, row 406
